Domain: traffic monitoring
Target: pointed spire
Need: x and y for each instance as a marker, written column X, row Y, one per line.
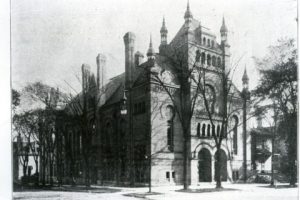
column 223, row 27
column 188, row 14
column 245, row 79
column 150, row 52
column 163, row 27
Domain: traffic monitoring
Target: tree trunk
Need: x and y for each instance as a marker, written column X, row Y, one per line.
column 36, row 166
column 185, row 163
column 218, row 168
column 51, row 173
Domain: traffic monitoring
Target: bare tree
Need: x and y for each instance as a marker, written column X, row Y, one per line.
column 190, row 89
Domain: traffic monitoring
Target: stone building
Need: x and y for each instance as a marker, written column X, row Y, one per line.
column 137, row 131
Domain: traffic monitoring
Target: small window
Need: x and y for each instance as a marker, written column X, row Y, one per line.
column 203, row 58
column 212, row 44
column 213, row 130
column 204, row 41
column 218, row 130
column 208, row 60
column 198, row 55
column 173, row 174
column 219, row 62
column 214, row 61
column 208, row 42
column 198, row 130
column 170, row 139
column 203, row 130
column 167, row 175
column 208, row 130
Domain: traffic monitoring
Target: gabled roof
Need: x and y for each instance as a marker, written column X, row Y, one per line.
column 113, row 90
column 194, row 27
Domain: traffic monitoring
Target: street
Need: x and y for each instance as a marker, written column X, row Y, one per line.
column 205, row 191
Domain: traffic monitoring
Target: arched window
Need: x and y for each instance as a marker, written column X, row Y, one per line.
column 235, row 134
column 219, row 62
column 169, row 135
column 208, row 130
column 208, row 59
column 203, row 130
column 214, row 61
column 213, row 130
column 212, row 44
column 218, row 130
column 208, row 42
column 204, row 41
column 198, row 130
column 169, row 112
column 203, row 58
column 198, row 55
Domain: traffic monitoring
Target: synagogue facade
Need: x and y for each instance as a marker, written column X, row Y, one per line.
column 138, row 131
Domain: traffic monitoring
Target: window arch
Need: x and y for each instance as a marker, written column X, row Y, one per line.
column 203, row 58
column 235, row 134
column 203, row 130
column 219, row 62
column 204, row 41
column 213, row 130
column 212, row 44
column 214, row 61
column 198, row 130
column 208, row 130
column 208, row 59
column 208, row 42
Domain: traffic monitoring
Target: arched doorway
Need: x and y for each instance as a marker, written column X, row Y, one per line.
column 223, row 163
column 204, row 166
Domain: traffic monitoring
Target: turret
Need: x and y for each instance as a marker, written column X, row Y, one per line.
column 150, row 52
column 101, row 70
column 225, row 46
column 163, row 33
column 245, row 80
column 188, row 16
column 129, row 39
column 163, row 37
column 223, row 32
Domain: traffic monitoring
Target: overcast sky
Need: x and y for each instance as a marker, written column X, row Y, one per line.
column 52, row 38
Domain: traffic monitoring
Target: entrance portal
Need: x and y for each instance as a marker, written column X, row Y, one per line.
column 204, row 166
column 223, row 163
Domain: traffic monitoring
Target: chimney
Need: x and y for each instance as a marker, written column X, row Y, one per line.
column 129, row 58
column 138, row 58
column 101, row 70
column 85, row 69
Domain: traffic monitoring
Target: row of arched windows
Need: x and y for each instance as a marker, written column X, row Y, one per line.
column 208, row 59
column 208, row 42
column 208, row 130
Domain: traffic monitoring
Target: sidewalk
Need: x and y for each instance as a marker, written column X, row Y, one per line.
column 204, row 191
